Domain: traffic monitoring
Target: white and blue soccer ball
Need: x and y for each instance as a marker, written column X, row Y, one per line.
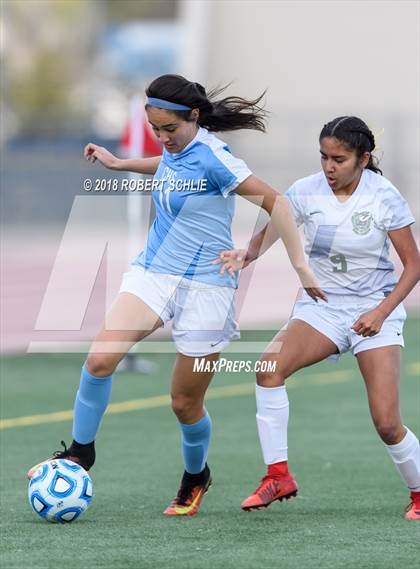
column 60, row 491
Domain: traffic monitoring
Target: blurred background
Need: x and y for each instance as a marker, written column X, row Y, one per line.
column 70, row 70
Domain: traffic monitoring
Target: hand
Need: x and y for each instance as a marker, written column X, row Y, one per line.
column 93, row 152
column 369, row 323
column 233, row 261
column 316, row 293
column 310, row 283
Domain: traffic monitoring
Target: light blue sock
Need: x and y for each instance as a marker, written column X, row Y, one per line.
column 195, row 444
column 90, row 404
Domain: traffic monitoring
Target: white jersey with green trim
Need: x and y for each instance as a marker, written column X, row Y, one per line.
column 347, row 242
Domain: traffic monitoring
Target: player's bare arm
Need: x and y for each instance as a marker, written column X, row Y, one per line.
column 92, row 152
column 238, row 259
column 371, row 322
column 258, row 192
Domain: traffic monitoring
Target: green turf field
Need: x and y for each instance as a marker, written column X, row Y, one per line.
column 349, row 514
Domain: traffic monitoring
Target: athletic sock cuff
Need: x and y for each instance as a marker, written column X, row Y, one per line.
column 263, row 390
column 92, row 378
column 409, row 440
column 271, row 397
column 197, row 427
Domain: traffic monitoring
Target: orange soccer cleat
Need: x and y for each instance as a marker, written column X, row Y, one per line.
column 274, row 486
column 412, row 511
column 189, row 496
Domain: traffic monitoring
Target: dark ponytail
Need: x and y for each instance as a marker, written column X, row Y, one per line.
column 230, row 113
column 355, row 133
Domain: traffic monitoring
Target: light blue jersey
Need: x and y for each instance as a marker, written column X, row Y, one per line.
column 347, row 242
column 194, row 210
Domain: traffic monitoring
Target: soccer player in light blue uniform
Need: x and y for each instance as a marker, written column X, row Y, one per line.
column 174, row 278
column 350, row 214
column 194, row 210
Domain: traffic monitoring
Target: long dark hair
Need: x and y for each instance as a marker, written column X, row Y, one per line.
column 355, row 133
column 230, row 113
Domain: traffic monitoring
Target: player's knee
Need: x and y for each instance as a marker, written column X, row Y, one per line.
column 100, row 365
column 390, row 432
column 272, row 376
column 183, row 406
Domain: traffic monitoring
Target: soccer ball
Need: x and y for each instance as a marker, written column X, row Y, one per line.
column 60, row 491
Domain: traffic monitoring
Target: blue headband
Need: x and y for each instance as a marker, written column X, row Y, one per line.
column 162, row 104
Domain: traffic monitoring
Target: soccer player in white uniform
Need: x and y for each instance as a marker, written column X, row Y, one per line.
column 350, row 214
column 194, row 188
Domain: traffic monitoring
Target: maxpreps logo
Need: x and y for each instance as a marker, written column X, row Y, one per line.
column 233, row 366
column 361, row 221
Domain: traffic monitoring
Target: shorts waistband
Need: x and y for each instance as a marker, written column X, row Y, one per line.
column 180, row 281
column 354, row 299
column 350, row 298
column 199, row 285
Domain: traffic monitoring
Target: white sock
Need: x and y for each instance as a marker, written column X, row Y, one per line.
column 406, row 457
column 272, row 419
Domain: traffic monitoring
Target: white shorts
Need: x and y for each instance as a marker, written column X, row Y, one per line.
column 335, row 318
column 203, row 314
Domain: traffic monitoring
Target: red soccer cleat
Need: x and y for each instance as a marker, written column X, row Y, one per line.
column 188, row 499
column 412, row 511
column 273, row 487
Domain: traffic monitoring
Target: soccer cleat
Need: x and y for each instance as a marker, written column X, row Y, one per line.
column 189, row 496
column 412, row 511
column 271, row 488
column 72, row 454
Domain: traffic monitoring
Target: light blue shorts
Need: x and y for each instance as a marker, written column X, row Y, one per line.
column 335, row 318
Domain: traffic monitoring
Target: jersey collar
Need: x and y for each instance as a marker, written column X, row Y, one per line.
column 358, row 189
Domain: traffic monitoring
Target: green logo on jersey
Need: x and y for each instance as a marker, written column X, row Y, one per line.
column 361, row 222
